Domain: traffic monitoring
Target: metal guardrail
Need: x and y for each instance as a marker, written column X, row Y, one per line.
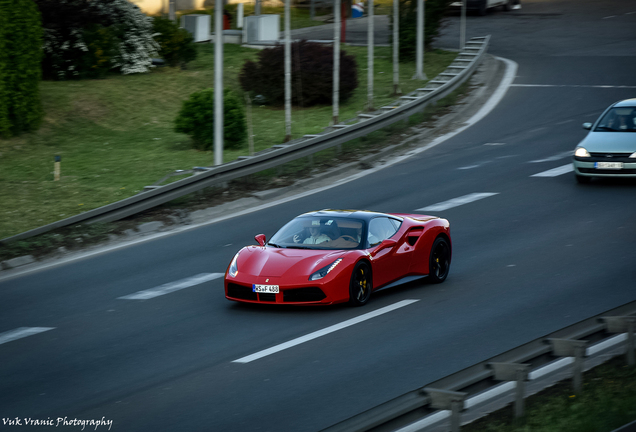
column 455, row 74
column 405, row 412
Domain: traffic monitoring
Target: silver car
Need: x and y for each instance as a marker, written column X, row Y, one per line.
column 609, row 149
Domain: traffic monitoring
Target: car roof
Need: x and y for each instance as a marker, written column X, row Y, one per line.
column 353, row 214
column 626, row 103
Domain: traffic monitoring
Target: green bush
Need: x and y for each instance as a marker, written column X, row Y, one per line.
column 434, row 11
column 20, row 73
column 311, row 74
column 102, row 48
column 177, row 44
column 196, row 119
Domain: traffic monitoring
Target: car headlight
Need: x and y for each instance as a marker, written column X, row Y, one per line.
column 581, row 152
column 633, row 155
column 233, row 270
column 324, row 271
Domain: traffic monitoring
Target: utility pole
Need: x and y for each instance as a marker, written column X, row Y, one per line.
column 419, row 56
column 370, row 31
column 218, row 82
column 462, row 26
column 396, row 48
column 336, row 61
column 257, row 7
column 288, row 134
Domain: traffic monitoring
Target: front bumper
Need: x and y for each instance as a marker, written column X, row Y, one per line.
column 587, row 167
column 298, row 291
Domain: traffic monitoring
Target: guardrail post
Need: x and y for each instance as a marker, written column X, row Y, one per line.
column 517, row 372
column 571, row 348
column 622, row 324
column 448, row 400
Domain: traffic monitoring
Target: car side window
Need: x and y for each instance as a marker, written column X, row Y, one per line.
column 380, row 229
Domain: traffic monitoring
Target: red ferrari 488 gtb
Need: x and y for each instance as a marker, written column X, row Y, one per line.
column 336, row 256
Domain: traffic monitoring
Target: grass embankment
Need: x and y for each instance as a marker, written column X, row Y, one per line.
column 116, row 135
column 607, row 402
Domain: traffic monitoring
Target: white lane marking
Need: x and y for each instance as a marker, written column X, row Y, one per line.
column 457, row 201
column 574, row 86
column 563, row 155
column 495, row 144
column 324, row 331
column 556, row 171
column 495, row 98
column 172, row 286
column 21, row 332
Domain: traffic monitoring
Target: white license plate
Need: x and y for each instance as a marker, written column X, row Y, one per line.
column 608, row 165
column 271, row 289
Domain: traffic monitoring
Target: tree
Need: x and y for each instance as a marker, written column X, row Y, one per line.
column 407, row 31
column 20, row 73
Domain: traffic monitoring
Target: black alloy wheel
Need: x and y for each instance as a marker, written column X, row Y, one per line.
column 361, row 284
column 439, row 261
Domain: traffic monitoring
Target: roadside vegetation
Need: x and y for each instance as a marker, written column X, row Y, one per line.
column 116, row 135
column 607, row 402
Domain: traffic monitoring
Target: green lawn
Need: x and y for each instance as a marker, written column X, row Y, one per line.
column 607, row 402
column 116, row 135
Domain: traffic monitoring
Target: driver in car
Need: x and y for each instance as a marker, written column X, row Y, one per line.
column 316, row 236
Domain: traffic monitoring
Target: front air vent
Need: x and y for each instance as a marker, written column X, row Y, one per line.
column 303, row 295
column 241, row 292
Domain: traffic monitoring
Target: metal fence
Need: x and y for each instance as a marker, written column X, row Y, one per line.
column 446, row 404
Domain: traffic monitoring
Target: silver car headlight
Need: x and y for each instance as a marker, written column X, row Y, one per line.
column 581, row 152
column 233, row 270
column 324, row 271
column 633, row 155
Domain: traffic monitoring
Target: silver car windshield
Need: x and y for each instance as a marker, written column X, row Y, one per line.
column 320, row 233
column 618, row 119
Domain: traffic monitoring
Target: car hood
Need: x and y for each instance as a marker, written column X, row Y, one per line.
column 610, row 142
column 274, row 262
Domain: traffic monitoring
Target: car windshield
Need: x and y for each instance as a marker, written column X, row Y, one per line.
column 319, row 233
column 618, row 119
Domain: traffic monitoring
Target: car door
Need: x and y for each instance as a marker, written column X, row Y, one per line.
column 393, row 262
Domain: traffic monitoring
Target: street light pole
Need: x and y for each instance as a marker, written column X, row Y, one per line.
column 370, row 31
column 218, row 82
column 419, row 56
column 396, row 48
column 336, row 61
column 288, row 95
column 462, row 26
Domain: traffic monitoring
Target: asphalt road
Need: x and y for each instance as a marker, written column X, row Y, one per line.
column 538, row 254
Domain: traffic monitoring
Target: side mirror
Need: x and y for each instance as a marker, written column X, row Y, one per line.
column 388, row 243
column 260, row 239
column 587, row 126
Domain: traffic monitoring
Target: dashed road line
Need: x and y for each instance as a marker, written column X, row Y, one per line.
column 21, row 332
column 323, row 332
column 455, row 202
column 556, row 171
column 555, row 157
column 172, row 287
